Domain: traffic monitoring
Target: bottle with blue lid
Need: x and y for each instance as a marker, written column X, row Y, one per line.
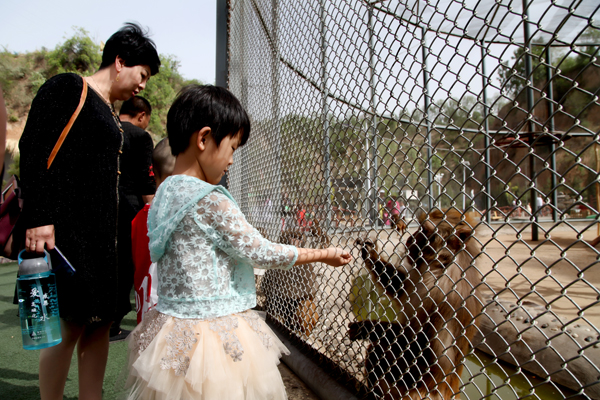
column 38, row 301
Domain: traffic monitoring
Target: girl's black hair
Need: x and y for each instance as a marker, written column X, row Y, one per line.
column 198, row 106
column 132, row 44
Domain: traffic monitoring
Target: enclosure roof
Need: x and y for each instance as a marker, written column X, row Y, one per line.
column 499, row 20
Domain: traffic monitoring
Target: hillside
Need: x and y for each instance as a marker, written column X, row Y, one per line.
column 21, row 75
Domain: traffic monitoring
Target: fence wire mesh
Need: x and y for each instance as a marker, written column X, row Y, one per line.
column 453, row 147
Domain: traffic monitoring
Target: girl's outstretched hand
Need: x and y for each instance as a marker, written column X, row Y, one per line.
column 334, row 256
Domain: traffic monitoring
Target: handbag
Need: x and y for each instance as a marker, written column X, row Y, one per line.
column 12, row 235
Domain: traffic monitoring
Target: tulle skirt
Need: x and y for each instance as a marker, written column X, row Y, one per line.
column 231, row 357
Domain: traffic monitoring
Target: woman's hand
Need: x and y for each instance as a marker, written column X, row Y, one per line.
column 38, row 238
column 334, row 256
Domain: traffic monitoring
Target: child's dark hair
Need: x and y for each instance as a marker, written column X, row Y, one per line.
column 163, row 161
column 135, row 105
column 132, row 44
column 199, row 106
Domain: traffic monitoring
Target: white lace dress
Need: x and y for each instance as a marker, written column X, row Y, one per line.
column 202, row 341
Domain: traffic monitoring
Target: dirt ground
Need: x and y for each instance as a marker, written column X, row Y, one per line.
column 561, row 269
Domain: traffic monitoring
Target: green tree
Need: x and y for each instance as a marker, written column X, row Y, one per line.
column 77, row 54
column 161, row 90
column 514, row 78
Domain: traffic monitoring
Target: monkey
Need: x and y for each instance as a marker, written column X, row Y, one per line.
column 290, row 294
column 420, row 354
column 398, row 223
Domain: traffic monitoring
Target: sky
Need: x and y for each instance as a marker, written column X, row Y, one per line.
column 185, row 29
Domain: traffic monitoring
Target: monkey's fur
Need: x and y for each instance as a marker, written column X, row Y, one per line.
column 420, row 354
column 398, row 223
column 291, row 293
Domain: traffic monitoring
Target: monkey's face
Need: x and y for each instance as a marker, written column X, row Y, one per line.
column 441, row 235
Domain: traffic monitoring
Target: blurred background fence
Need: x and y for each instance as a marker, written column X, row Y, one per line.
column 367, row 114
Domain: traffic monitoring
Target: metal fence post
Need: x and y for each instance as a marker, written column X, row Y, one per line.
column 486, row 137
column 325, row 114
column 372, row 203
column 427, row 104
column 530, row 124
column 551, row 128
column 275, row 193
column 222, row 59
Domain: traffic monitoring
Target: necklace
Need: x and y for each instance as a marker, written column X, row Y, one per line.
column 109, row 104
column 100, row 93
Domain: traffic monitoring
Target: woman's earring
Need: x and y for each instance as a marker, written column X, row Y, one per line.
column 117, row 79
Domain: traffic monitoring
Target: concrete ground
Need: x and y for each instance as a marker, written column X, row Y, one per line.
column 295, row 388
column 561, row 269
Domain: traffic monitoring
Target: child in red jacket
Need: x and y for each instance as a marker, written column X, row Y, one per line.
column 144, row 279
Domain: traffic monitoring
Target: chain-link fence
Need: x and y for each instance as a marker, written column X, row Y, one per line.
column 367, row 118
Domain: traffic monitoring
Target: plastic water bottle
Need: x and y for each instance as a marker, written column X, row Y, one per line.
column 38, row 301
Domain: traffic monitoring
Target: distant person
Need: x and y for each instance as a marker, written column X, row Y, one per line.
column 391, row 208
column 395, row 205
column 301, row 216
column 136, row 188
column 203, row 340
column 539, row 202
column 401, row 209
column 137, row 178
column 145, row 279
column 74, row 203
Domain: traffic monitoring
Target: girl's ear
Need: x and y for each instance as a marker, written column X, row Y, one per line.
column 202, row 137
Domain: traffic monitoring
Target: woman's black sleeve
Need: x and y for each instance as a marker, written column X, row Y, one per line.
column 50, row 111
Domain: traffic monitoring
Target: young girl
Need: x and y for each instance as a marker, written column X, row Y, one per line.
column 202, row 341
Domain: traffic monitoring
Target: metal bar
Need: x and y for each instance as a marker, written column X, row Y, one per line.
column 427, row 103
column 275, row 195
column 551, row 126
column 372, row 195
column 530, row 124
column 464, row 35
column 486, row 138
column 222, row 59
column 325, row 114
column 244, row 203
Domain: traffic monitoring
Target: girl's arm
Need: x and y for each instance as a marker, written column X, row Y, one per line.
column 334, row 256
column 241, row 240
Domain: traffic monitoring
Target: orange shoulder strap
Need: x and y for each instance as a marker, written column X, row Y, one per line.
column 65, row 131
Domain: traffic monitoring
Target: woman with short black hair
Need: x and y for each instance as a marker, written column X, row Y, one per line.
column 74, row 202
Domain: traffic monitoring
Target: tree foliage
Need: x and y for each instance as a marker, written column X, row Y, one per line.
column 161, row 90
column 78, row 54
column 21, row 75
column 515, row 78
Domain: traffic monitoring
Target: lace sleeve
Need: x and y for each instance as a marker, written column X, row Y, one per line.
column 222, row 220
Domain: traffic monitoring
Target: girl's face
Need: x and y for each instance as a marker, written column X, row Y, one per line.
column 215, row 161
column 132, row 80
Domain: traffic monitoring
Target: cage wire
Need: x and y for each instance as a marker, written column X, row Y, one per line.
column 368, row 117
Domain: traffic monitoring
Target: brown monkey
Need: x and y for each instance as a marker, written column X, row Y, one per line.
column 290, row 294
column 398, row 223
column 420, row 354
